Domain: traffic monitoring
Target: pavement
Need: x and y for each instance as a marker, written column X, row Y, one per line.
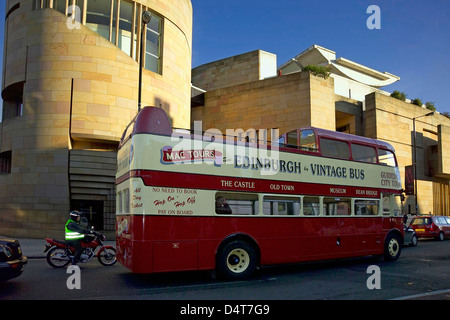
column 33, row 248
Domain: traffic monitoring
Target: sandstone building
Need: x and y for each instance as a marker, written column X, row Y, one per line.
column 70, row 86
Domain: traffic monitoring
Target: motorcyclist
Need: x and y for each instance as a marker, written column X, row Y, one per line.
column 75, row 234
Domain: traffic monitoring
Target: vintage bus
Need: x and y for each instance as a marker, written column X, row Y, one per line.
column 191, row 201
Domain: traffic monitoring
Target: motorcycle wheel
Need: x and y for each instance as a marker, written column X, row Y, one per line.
column 57, row 257
column 107, row 256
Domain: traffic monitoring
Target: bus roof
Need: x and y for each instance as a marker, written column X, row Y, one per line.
column 155, row 120
column 152, row 120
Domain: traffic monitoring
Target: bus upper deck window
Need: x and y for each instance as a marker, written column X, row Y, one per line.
column 386, row 158
column 308, row 140
column 364, row 153
column 281, row 141
column 292, row 138
column 334, row 148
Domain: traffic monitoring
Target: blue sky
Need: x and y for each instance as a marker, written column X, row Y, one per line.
column 413, row 42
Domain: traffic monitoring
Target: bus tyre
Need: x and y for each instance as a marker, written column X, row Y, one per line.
column 237, row 260
column 392, row 247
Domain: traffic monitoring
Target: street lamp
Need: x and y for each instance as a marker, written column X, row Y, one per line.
column 415, row 155
column 146, row 17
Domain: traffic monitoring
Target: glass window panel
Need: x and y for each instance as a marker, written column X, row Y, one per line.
column 125, row 25
column 236, row 203
column 366, row 207
column 119, row 202
column 336, row 207
column 114, row 22
column 152, row 46
column 151, row 63
column 334, row 148
column 311, row 206
column 308, row 140
column 363, row 153
column 386, row 158
column 60, row 6
column 282, row 206
column 126, row 200
column 292, row 138
column 98, row 17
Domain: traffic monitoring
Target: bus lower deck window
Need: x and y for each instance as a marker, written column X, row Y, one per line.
column 281, row 206
column 366, row 207
column 236, row 203
column 336, row 207
column 311, row 206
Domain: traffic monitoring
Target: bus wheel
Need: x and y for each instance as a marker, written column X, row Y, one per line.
column 392, row 247
column 237, row 260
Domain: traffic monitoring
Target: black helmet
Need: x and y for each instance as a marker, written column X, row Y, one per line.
column 75, row 214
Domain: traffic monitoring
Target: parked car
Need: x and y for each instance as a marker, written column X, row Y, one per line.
column 431, row 226
column 410, row 238
column 12, row 261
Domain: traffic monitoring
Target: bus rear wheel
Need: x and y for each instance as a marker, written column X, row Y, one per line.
column 237, row 260
column 392, row 247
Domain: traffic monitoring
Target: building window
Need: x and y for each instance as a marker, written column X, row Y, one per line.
column 114, row 21
column 60, row 5
column 152, row 44
column 98, row 17
column 125, row 27
column 12, row 108
column 13, row 100
column 5, row 162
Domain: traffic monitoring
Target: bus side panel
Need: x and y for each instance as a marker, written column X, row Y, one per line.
column 133, row 251
column 370, row 234
column 172, row 243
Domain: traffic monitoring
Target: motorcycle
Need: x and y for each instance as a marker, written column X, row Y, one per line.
column 60, row 253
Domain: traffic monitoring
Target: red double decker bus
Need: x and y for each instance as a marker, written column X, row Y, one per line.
column 191, row 201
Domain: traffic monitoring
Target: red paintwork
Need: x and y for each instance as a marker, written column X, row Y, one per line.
column 212, row 182
column 154, row 243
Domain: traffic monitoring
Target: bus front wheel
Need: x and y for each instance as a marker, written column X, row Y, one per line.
column 237, row 260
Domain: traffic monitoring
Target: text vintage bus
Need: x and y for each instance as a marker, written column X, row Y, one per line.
column 319, row 195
